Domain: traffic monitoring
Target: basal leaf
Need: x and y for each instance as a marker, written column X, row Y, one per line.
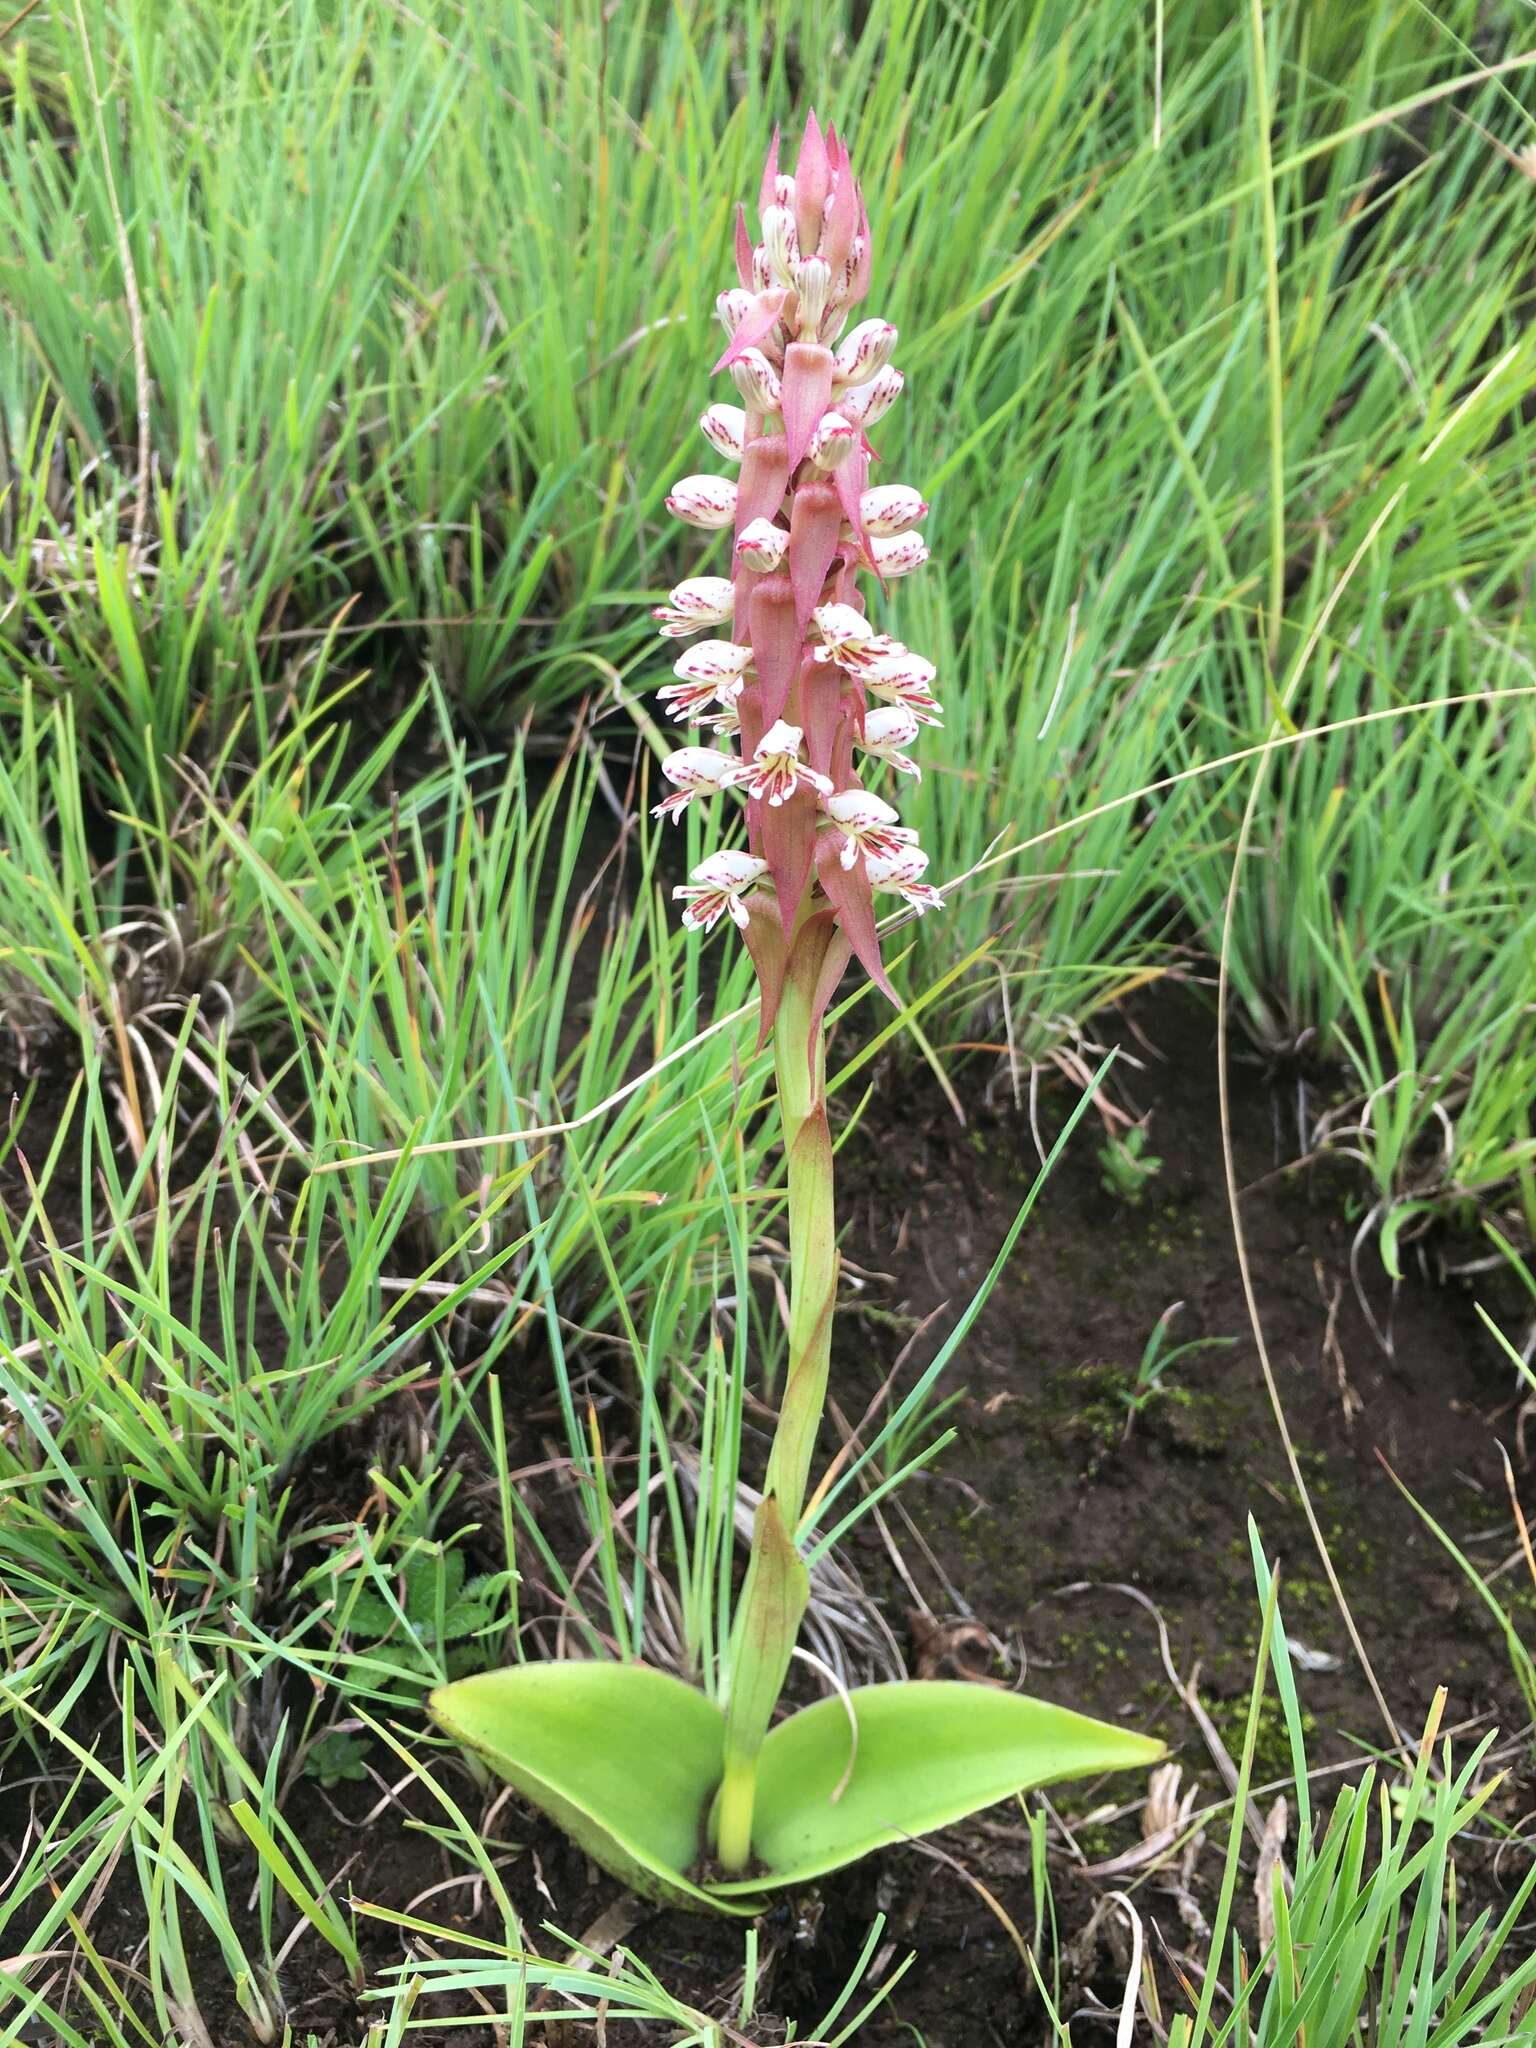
column 624, row 1758
column 927, row 1754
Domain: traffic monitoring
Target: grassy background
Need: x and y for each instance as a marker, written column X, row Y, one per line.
column 348, row 352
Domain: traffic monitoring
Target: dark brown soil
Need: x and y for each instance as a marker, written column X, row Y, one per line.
column 1037, row 1521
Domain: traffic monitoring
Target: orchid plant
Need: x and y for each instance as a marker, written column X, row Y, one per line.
column 690, row 1798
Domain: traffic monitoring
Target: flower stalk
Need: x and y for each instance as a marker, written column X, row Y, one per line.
column 816, row 703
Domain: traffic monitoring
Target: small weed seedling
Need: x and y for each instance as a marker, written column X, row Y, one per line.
column 1156, row 1358
column 1126, row 1166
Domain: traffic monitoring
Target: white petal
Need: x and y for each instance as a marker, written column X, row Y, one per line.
column 899, row 557
column 857, row 809
column 757, row 380
column 840, row 623
column 729, row 869
column 696, row 767
column 871, row 401
column 864, row 352
column 724, row 427
column 762, row 545
column 890, row 725
column 711, row 661
column 780, row 738
column 834, row 439
column 707, row 501
column 891, row 508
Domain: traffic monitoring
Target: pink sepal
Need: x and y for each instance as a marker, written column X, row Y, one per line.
column 789, row 847
column 813, row 175
column 775, row 645
column 850, row 478
column 859, row 283
column 761, row 321
column 743, row 583
column 821, row 700
column 762, row 480
column 840, row 768
column 841, row 218
column 766, row 195
column 815, row 528
column 806, row 388
column 764, row 936
column 848, row 891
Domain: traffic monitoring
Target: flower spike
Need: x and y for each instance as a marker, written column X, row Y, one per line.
column 802, row 700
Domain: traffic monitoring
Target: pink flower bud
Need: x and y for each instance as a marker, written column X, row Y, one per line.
column 707, row 501
column 784, row 192
column 890, row 508
column 864, row 352
column 732, row 307
column 782, row 244
column 757, row 381
column 761, row 276
column 712, row 661
column 834, row 439
column 724, row 427
column 872, row 401
column 813, row 283
column 899, row 557
column 762, row 545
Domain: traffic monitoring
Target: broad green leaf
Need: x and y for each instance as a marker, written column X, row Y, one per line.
column 624, row 1758
column 927, row 1754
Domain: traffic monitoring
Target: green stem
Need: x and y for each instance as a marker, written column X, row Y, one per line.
column 812, row 1243
column 777, row 1586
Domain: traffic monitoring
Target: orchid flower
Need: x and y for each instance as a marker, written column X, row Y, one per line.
column 693, row 771
column 787, row 697
column 903, row 872
column 888, row 730
column 707, row 501
column 701, row 601
column 868, row 825
column 716, row 886
column 709, row 672
column 776, row 770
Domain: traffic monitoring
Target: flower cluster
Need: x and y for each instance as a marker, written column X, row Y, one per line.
column 804, row 701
